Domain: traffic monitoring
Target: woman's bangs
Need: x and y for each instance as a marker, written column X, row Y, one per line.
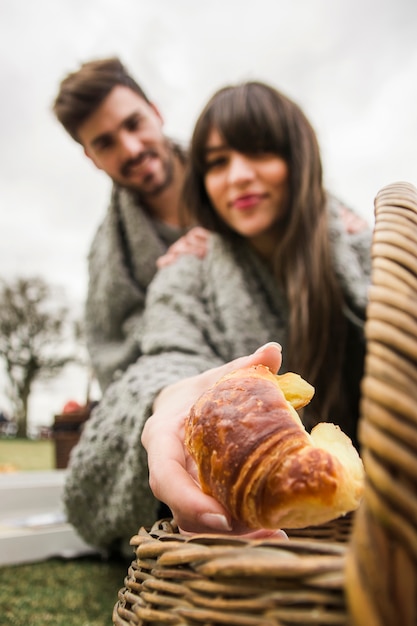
column 248, row 123
column 248, row 117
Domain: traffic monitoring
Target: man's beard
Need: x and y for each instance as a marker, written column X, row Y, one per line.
column 168, row 168
column 153, row 190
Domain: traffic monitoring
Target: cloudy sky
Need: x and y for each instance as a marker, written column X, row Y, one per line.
column 350, row 64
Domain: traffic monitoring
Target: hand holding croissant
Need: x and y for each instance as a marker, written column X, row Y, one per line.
column 255, row 457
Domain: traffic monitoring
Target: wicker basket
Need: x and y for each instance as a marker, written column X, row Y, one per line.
column 358, row 574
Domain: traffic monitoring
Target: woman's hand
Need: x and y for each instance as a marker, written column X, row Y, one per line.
column 194, row 242
column 172, row 473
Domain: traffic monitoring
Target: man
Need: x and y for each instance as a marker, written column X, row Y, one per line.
column 103, row 108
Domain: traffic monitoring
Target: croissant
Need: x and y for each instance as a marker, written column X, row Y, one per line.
column 255, row 457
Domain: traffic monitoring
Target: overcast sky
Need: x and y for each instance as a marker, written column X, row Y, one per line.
column 350, row 64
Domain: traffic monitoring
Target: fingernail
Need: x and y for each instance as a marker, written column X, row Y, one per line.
column 216, row 521
column 270, row 343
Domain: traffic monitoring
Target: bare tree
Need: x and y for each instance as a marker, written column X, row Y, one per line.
column 36, row 339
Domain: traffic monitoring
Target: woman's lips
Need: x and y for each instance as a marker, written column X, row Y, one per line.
column 248, row 201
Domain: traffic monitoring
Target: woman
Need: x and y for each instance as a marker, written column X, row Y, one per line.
column 280, row 267
column 256, row 178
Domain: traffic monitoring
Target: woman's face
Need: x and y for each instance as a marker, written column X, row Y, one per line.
column 249, row 192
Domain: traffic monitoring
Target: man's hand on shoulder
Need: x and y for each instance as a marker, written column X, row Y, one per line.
column 353, row 222
column 194, row 242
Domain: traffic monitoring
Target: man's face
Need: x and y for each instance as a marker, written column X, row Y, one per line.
column 124, row 138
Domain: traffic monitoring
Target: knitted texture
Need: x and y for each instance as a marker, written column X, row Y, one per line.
column 200, row 313
column 121, row 264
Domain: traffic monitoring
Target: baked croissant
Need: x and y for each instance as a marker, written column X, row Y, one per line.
column 255, row 457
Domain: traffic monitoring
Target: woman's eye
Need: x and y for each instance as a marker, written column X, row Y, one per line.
column 215, row 163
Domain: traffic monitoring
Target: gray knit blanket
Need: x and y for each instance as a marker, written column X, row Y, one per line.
column 121, row 265
column 199, row 314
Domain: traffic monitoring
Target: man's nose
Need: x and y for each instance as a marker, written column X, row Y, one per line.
column 240, row 169
column 129, row 146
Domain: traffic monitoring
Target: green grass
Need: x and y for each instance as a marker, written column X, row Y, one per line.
column 58, row 592
column 25, row 454
column 81, row 592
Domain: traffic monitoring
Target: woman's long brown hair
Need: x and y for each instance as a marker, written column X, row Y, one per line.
column 253, row 118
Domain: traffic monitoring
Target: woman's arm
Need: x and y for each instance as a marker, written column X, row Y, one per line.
column 171, row 472
column 107, row 493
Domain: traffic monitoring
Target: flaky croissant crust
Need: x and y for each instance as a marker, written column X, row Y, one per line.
column 255, row 457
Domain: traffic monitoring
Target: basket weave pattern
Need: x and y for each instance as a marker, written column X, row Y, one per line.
column 326, row 575
column 217, row 579
column 381, row 577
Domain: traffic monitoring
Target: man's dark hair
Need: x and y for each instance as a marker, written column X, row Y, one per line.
column 81, row 92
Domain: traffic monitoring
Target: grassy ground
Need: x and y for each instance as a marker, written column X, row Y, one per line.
column 25, row 454
column 78, row 592
column 81, row 592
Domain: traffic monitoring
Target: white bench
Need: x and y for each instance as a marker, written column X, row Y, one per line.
column 32, row 520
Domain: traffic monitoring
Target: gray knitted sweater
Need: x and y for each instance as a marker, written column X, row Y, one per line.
column 121, row 264
column 199, row 314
